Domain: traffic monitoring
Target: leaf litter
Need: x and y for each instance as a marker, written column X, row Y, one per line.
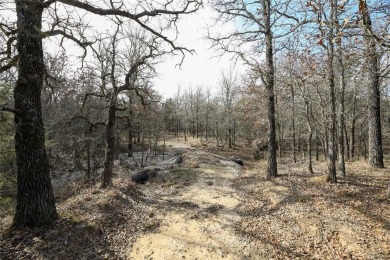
column 218, row 210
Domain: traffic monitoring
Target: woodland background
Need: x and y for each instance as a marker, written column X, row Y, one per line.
column 315, row 92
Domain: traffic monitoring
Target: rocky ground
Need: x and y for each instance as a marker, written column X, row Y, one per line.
column 209, row 207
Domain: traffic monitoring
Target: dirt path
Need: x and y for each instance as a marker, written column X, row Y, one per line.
column 211, row 208
column 231, row 212
column 201, row 226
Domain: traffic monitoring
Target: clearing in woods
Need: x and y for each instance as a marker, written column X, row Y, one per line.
column 209, row 207
column 233, row 212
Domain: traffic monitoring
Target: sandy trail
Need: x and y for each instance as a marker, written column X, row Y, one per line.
column 205, row 229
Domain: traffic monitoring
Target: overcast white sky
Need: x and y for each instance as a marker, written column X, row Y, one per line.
column 200, row 68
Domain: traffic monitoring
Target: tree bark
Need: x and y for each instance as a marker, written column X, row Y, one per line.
column 341, row 121
column 332, row 100
column 110, row 144
column 278, row 127
column 352, row 141
column 309, row 137
column 35, row 199
column 353, row 123
column 130, row 130
column 375, row 153
column 346, row 142
column 270, row 79
column 293, row 124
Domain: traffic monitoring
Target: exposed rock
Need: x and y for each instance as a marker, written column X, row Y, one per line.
column 145, row 175
column 141, row 177
column 238, row 161
column 176, row 160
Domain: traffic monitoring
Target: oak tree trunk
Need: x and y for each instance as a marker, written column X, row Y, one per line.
column 270, row 79
column 110, row 145
column 332, row 100
column 375, row 154
column 35, row 200
column 341, row 122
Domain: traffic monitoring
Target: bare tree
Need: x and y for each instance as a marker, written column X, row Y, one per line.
column 342, row 84
column 35, row 199
column 227, row 96
column 374, row 109
column 124, row 71
column 255, row 35
column 332, row 94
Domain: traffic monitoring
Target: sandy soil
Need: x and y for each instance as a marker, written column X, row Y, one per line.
column 211, row 208
column 233, row 212
column 206, row 229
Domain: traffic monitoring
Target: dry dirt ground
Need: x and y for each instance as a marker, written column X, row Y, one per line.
column 211, row 208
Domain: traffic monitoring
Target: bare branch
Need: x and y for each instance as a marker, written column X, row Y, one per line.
column 87, row 96
column 4, row 108
column 190, row 7
column 90, row 124
column 12, row 63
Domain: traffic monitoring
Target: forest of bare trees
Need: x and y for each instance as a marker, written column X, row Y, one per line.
column 316, row 87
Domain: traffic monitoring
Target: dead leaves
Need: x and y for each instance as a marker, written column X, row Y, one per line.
column 96, row 224
column 315, row 219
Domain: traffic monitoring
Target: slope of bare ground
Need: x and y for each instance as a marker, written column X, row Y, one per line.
column 202, row 226
column 212, row 208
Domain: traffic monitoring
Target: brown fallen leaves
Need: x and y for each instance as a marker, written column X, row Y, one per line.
column 95, row 224
column 316, row 219
column 296, row 216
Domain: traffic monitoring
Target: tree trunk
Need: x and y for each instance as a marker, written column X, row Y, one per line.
column 347, row 152
column 207, row 125
column 111, row 120
column 234, row 131
column 130, row 141
column 130, row 131
column 341, row 97
column 230, row 136
column 279, row 127
column 353, row 123
column 332, row 100
column 35, row 204
column 110, row 144
column 89, row 168
column 293, row 124
column 272, row 171
column 375, row 156
column 309, row 138
column 352, row 141
column 77, row 156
